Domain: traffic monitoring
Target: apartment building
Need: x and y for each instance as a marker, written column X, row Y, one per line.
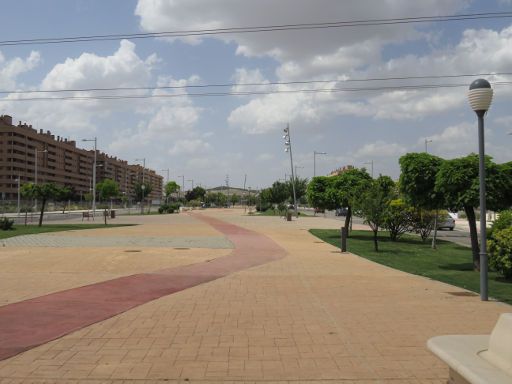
column 36, row 156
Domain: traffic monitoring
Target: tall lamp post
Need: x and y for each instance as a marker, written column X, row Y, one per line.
column 36, row 151
column 288, row 148
column 182, row 185
column 94, row 175
column 143, row 186
column 426, row 144
column 480, row 98
column 19, row 199
column 314, row 160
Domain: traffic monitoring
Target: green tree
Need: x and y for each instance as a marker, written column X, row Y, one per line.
column 372, row 202
column 301, row 186
column 235, row 199
column 458, row 181
column 139, row 190
column 41, row 192
column 418, row 172
column 280, row 193
column 317, row 192
column 398, row 218
column 65, row 193
column 107, row 189
column 344, row 189
column 170, row 188
column 198, row 193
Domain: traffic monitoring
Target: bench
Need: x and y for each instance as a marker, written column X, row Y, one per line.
column 86, row 214
column 478, row 359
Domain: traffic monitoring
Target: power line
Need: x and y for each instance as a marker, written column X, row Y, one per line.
column 252, row 93
column 221, row 85
column 257, row 29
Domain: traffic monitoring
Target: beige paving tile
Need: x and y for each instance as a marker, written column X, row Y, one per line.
column 314, row 317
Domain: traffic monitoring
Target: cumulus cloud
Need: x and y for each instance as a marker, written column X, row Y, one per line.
column 379, row 149
column 10, row 69
column 453, row 141
column 189, row 146
column 123, row 68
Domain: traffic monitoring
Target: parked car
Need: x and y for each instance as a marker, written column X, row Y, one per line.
column 446, row 222
column 343, row 211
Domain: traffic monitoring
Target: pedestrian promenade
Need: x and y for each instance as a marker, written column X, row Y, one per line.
column 297, row 311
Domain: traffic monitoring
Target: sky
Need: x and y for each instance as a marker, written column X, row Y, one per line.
column 206, row 138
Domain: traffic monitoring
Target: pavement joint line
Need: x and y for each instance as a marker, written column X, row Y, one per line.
column 33, row 322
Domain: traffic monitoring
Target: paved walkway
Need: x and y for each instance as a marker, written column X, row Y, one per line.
column 58, row 241
column 313, row 316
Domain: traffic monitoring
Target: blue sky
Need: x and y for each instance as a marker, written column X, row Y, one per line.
column 207, row 138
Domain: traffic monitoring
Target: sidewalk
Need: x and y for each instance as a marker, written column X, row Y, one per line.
column 315, row 315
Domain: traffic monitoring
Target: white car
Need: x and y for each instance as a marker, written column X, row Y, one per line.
column 446, row 222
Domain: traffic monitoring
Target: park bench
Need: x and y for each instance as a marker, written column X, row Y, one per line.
column 86, row 215
column 478, row 359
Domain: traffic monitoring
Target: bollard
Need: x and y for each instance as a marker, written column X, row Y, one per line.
column 343, row 239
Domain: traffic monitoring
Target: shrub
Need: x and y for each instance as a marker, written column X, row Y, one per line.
column 398, row 218
column 6, row 224
column 503, row 221
column 500, row 252
column 263, row 207
column 423, row 223
column 174, row 207
column 168, row 208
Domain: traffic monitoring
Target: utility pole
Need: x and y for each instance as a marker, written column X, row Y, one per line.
column 426, row 145
column 288, row 148
column 370, row 163
column 143, row 186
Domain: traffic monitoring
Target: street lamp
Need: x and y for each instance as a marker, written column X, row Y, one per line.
column 18, row 180
column 288, row 148
column 426, row 144
column 35, row 176
column 143, row 186
column 93, row 175
column 182, row 185
column 480, row 98
column 314, row 160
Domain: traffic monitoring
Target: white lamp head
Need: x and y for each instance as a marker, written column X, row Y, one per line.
column 480, row 95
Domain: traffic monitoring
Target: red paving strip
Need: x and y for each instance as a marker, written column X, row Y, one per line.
column 27, row 324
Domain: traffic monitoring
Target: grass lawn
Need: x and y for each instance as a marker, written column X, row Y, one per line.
column 450, row 263
column 34, row 229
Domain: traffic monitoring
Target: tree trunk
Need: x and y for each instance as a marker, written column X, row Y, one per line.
column 470, row 213
column 375, row 241
column 434, row 239
column 105, row 215
column 347, row 220
column 43, row 203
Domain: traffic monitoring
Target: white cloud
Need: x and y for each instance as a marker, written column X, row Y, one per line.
column 380, row 149
column 11, row 69
column 124, row 68
column 453, row 141
column 189, row 146
column 265, row 157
